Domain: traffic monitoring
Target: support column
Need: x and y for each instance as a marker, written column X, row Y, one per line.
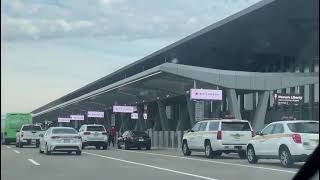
column 260, row 112
column 233, row 103
column 163, row 116
column 190, row 107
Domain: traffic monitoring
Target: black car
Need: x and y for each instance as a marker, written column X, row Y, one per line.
column 134, row 139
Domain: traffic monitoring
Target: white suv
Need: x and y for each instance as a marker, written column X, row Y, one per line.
column 94, row 135
column 215, row 137
column 289, row 141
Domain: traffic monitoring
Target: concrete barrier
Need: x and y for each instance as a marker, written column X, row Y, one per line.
column 166, row 139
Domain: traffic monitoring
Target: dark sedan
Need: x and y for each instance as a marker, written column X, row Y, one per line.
column 134, row 139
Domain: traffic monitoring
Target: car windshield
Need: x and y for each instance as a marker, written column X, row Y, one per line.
column 235, row 126
column 31, row 128
column 304, row 127
column 95, row 128
column 64, row 131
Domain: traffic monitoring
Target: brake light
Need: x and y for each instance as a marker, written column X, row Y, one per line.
column 219, row 135
column 296, row 138
column 55, row 137
column 104, row 133
column 86, row 133
column 253, row 134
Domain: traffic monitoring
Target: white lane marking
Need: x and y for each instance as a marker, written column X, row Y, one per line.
column 216, row 162
column 8, row 147
column 150, row 166
column 16, row 151
column 34, row 162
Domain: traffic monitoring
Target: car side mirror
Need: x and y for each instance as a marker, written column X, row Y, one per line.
column 41, row 135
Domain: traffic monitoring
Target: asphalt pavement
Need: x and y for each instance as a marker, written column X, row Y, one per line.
column 157, row 164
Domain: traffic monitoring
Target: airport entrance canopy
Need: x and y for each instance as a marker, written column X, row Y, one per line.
column 170, row 80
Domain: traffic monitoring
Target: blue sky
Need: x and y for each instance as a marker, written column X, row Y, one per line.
column 52, row 47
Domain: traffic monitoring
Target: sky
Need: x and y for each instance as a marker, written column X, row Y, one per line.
column 52, row 47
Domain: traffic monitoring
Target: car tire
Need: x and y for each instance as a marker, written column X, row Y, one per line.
column 242, row 154
column 17, row 144
column 40, row 151
column 78, row 152
column 148, row 147
column 251, row 155
column 98, row 147
column 47, row 150
column 119, row 147
column 208, row 150
column 139, row 148
column 185, row 149
column 83, row 146
column 285, row 157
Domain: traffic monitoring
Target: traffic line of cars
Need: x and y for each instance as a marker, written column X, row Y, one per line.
column 67, row 139
column 289, row 141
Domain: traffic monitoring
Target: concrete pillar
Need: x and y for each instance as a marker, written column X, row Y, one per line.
column 161, row 139
column 163, row 116
column 233, row 103
column 166, row 139
column 155, row 138
column 172, row 137
column 260, row 112
column 179, row 137
column 190, row 108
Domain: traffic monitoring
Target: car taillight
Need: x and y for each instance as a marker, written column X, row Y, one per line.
column 219, row 135
column 86, row 133
column 55, row 137
column 21, row 133
column 253, row 134
column 104, row 133
column 296, row 138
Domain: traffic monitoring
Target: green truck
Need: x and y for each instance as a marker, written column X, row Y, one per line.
column 11, row 124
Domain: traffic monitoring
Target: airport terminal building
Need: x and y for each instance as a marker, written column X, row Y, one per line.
column 264, row 60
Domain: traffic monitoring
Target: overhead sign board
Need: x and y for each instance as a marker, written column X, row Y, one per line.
column 134, row 116
column 63, row 119
column 77, row 117
column 124, row 109
column 288, row 99
column 206, row 94
column 96, row 114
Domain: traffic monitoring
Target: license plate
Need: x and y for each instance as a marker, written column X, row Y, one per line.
column 66, row 140
column 96, row 134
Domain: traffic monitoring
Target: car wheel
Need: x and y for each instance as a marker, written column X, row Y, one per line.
column 47, row 150
column 285, row 157
column 40, row 151
column 83, row 146
column 37, row 144
column 97, row 147
column 242, row 154
column 78, row 153
column 139, row 148
column 251, row 156
column 208, row 150
column 119, row 147
column 17, row 144
column 185, row 149
column 148, row 147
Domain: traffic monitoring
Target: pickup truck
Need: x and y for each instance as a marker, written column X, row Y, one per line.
column 28, row 134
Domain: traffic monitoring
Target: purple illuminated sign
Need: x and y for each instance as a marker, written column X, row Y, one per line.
column 77, row 117
column 96, row 114
column 124, row 109
column 63, row 119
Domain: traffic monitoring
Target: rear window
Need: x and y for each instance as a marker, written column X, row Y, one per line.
column 137, row 133
column 95, row 128
column 304, row 127
column 64, row 131
column 235, row 126
column 31, row 128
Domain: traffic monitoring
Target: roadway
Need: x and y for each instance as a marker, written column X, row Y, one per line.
column 157, row 164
